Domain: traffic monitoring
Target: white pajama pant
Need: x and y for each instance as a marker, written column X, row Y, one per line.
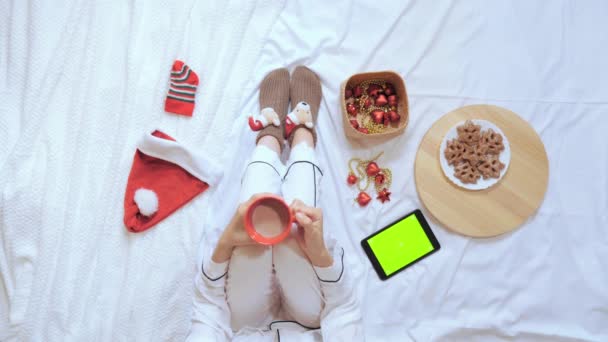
column 267, row 283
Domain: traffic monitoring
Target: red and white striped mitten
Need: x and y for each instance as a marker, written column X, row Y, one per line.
column 182, row 89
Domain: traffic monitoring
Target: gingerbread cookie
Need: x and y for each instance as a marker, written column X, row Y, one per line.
column 475, row 154
column 454, row 151
column 491, row 167
column 466, row 173
column 493, row 141
column 469, row 133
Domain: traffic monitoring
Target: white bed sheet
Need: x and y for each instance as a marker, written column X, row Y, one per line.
column 84, row 277
column 80, row 83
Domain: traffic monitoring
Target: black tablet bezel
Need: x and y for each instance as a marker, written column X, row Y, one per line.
column 427, row 230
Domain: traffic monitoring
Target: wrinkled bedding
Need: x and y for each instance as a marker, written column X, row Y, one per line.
column 81, row 82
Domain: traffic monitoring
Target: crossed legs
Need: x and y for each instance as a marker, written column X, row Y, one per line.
column 264, row 281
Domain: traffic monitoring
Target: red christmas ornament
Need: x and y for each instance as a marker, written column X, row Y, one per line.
column 373, row 90
column 367, row 103
column 363, row 198
column 348, row 93
column 392, row 100
column 358, row 91
column 351, row 179
column 373, row 174
column 379, row 179
column 354, row 123
column 363, row 130
column 384, row 195
column 372, row 169
column 393, row 116
column 377, row 116
column 351, row 109
column 381, row 100
column 390, row 90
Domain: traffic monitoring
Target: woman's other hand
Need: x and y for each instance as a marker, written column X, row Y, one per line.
column 310, row 234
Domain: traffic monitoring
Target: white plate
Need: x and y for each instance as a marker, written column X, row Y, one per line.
column 448, row 170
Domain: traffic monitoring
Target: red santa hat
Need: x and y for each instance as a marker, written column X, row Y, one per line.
column 165, row 175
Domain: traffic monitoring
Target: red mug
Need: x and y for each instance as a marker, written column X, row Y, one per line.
column 283, row 210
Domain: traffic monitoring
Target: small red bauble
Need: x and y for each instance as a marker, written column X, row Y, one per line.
column 358, row 91
column 367, row 103
column 381, row 100
column 390, row 90
column 348, row 93
column 363, row 130
column 384, row 195
column 351, row 109
column 374, row 90
column 354, row 123
column 372, row 169
column 363, row 198
column 378, row 116
column 351, row 179
column 379, row 179
column 392, row 100
column 393, row 116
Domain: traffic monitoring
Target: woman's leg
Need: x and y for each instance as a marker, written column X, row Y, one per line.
column 250, row 285
column 301, row 294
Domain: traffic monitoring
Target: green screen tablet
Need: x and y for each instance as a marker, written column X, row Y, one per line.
column 400, row 244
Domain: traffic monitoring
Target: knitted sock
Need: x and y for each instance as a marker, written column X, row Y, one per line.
column 182, row 89
column 274, row 99
column 305, row 95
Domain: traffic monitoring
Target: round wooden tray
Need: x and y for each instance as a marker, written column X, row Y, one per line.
column 504, row 206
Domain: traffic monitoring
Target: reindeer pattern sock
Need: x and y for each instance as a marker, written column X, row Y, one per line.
column 274, row 100
column 305, row 96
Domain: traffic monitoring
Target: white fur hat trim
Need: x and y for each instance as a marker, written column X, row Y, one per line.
column 147, row 201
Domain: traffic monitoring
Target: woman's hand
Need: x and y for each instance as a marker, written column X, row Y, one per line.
column 310, row 234
column 234, row 234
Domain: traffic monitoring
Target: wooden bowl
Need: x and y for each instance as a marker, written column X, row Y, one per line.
column 402, row 107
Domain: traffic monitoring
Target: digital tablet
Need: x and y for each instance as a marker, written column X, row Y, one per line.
column 400, row 244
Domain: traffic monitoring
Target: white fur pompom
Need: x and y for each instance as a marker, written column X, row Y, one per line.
column 147, row 201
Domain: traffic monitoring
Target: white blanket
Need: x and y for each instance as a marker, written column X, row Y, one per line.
column 80, row 83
